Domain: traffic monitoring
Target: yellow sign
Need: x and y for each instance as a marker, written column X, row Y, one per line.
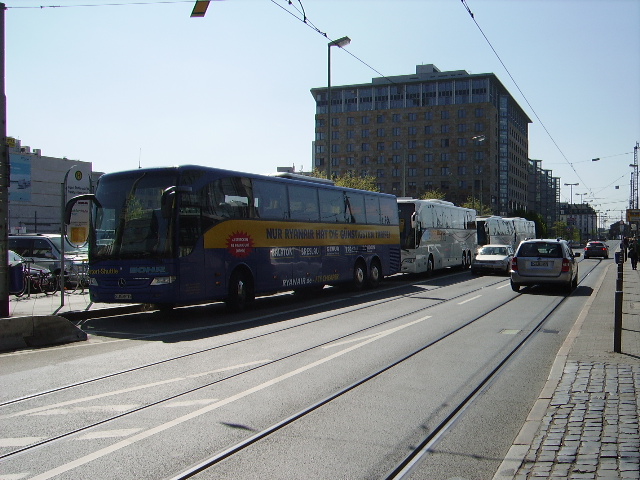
column 633, row 215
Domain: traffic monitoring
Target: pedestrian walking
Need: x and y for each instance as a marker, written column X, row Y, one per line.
column 623, row 250
column 633, row 256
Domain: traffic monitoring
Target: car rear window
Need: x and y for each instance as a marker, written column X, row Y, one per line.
column 548, row 250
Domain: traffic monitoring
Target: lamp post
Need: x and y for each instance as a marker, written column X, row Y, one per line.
column 581, row 195
column 571, row 185
column 341, row 42
column 478, row 139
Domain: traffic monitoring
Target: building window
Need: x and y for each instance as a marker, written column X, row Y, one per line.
column 428, row 143
column 444, row 128
column 445, row 157
column 412, row 144
column 428, row 129
column 479, row 112
column 396, row 131
column 380, row 119
column 364, row 133
column 320, row 148
column 412, row 172
column 462, row 113
column 395, row 172
column 428, row 172
column 351, row 121
column 462, row 142
column 428, row 115
column 428, row 185
column 320, row 136
column 380, row 146
column 380, row 173
column 335, row 148
column 350, row 161
column 396, row 117
column 351, row 147
column 428, row 157
column 462, row 156
column 412, row 130
column 462, row 127
column 444, row 114
column 381, row 132
column 397, row 145
column 479, row 127
column 412, row 117
column 396, row 159
column 462, row 170
column 365, row 147
column 350, row 134
column 366, row 120
column 445, row 171
column 444, row 142
column 478, row 155
column 412, row 158
column 335, row 122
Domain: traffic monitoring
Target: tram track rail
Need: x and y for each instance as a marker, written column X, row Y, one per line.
column 281, row 424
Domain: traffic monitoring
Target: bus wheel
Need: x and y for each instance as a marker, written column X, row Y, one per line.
column 240, row 291
column 359, row 275
column 375, row 274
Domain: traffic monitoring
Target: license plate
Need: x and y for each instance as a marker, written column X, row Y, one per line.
column 539, row 264
column 122, row 296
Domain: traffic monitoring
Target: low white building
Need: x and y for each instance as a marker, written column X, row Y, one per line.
column 35, row 191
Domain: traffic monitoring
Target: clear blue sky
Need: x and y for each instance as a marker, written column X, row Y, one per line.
column 117, row 85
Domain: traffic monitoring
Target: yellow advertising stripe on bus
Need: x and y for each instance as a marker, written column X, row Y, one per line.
column 289, row 234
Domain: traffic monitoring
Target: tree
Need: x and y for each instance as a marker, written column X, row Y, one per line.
column 436, row 194
column 350, row 180
column 480, row 208
column 541, row 225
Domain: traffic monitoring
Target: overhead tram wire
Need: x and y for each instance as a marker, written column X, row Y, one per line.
column 464, row 3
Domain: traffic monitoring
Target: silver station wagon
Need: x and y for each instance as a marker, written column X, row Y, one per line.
column 544, row 261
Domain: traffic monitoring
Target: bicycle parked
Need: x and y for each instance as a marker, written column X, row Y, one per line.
column 30, row 278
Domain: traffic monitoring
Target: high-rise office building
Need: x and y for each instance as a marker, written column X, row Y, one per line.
column 460, row 133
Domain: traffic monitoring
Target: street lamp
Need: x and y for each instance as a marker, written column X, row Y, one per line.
column 581, row 195
column 341, row 42
column 478, row 139
column 571, row 185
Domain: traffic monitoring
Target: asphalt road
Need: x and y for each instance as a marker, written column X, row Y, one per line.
column 341, row 385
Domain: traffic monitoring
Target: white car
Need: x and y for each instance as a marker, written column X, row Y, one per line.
column 492, row 258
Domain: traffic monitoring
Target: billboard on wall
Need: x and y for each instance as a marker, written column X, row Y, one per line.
column 20, row 174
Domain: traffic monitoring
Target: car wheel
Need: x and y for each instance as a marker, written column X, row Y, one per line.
column 515, row 287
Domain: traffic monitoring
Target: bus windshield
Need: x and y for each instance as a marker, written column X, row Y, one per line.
column 128, row 220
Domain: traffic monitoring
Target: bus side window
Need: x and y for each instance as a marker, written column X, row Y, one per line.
column 270, row 200
column 355, row 207
column 303, row 203
column 331, row 206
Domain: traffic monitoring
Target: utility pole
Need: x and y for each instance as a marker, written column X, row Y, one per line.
column 4, row 181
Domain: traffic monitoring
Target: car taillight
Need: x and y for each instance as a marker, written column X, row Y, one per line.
column 566, row 265
column 514, row 264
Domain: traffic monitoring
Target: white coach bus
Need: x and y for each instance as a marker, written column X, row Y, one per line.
column 504, row 230
column 435, row 234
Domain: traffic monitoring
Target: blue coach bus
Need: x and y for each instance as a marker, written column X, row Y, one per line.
column 190, row 234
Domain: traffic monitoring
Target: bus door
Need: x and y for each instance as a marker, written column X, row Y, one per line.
column 407, row 214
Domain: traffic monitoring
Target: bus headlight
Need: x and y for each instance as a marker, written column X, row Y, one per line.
column 163, row 280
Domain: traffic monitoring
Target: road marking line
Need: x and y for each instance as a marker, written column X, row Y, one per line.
column 469, row 299
column 55, row 408
column 19, row 442
column 173, row 423
column 383, row 333
column 109, row 434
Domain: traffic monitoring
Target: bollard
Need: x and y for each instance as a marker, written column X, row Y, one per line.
column 617, row 320
column 617, row 323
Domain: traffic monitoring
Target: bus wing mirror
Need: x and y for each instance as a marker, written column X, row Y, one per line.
column 71, row 203
column 413, row 220
column 167, row 197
